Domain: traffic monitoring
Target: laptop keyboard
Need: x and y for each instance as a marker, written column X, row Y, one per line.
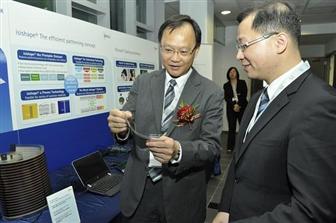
column 107, row 183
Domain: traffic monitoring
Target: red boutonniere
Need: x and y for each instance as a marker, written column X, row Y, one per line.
column 186, row 114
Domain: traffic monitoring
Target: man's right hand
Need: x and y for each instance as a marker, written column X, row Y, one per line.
column 117, row 121
column 221, row 217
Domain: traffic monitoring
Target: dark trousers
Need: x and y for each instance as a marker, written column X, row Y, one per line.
column 150, row 209
column 232, row 118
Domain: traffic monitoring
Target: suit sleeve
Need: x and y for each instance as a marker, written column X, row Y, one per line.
column 311, row 167
column 225, row 203
column 130, row 106
column 227, row 93
column 206, row 146
column 226, row 196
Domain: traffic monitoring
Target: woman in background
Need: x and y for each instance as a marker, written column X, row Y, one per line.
column 235, row 93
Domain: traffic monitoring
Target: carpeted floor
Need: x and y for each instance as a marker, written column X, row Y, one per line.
column 215, row 187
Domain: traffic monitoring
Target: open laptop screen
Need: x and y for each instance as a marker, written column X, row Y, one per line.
column 90, row 168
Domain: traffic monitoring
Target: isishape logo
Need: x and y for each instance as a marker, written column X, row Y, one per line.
column 2, row 81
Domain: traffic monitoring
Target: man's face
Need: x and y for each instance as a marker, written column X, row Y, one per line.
column 178, row 49
column 258, row 58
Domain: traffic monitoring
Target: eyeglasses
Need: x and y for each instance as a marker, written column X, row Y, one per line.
column 169, row 51
column 244, row 46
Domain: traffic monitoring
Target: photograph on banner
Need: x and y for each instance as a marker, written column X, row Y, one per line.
column 126, row 70
column 122, row 92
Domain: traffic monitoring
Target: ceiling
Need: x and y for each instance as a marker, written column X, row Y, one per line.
column 310, row 11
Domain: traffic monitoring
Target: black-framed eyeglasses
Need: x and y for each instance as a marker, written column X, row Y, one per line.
column 244, row 46
column 169, row 51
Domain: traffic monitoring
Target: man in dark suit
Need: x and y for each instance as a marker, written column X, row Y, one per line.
column 283, row 169
column 235, row 93
column 186, row 147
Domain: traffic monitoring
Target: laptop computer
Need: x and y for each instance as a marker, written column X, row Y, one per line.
column 95, row 175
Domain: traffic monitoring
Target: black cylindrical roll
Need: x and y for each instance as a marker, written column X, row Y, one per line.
column 24, row 181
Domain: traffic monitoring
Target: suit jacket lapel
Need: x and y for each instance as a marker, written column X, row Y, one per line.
column 157, row 94
column 273, row 108
column 189, row 94
column 248, row 113
column 268, row 114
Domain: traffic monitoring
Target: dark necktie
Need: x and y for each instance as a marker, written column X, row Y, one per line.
column 168, row 110
column 264, row 100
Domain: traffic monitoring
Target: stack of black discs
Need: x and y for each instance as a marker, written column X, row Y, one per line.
column 24, row 181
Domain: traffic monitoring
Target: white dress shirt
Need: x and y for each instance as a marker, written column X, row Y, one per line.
column 180, row 82
column 234, row 89
column 276, row 87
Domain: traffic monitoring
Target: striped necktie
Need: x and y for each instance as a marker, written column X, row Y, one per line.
column 264, row 100
column 168, row 110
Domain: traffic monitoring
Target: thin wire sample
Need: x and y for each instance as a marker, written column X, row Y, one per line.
column 132, row 128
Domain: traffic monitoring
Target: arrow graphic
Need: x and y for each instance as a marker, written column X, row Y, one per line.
column 2, row 81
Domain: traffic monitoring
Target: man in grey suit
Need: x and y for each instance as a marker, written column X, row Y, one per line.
column 186, row 109
column 283, row 169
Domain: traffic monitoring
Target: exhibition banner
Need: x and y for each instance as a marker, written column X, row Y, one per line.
column 56, row 68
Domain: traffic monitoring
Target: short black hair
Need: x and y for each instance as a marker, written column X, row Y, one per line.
column 176, row 21
column 274, row 17
column 228, row 73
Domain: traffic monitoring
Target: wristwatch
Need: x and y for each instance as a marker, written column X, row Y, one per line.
column 177, row 155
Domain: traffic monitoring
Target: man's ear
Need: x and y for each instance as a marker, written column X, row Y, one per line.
column 281, row 42
column 196, row 50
